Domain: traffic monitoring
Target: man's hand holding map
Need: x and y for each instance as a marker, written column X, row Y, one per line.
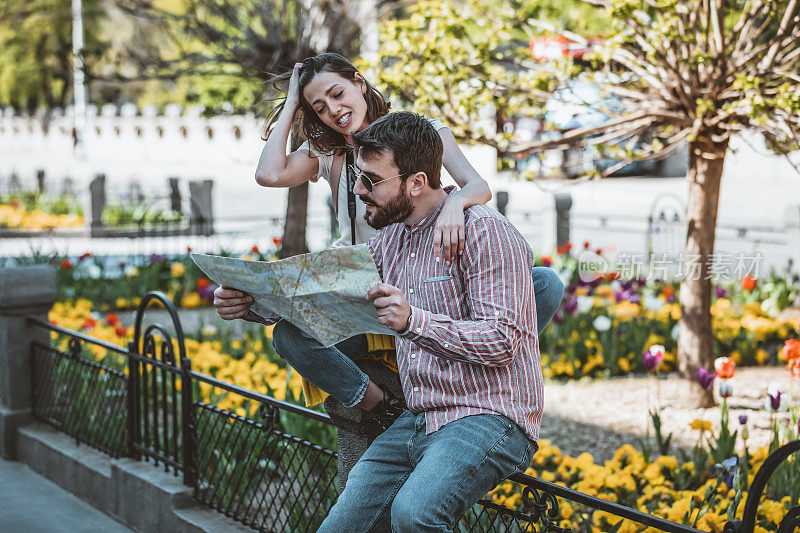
column 322, row 293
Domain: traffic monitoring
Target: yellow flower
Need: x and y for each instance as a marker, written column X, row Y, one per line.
column 702, row 425
column 177, row 270
column 191, row 300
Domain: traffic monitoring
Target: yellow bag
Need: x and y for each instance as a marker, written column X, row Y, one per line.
column 381, row 349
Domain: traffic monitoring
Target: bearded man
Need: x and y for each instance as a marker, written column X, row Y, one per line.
column 467, row 349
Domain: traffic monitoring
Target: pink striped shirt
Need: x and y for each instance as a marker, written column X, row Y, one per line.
column 471, row 346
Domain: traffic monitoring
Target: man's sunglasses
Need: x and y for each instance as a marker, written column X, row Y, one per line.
column 367, row 181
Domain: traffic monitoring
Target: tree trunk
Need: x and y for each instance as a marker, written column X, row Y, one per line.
column 696, row 341
column 294, row 227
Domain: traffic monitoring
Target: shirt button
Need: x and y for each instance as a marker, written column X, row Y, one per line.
column 497, row 313
column 416, row 389
column 413, row 356
column 410, row 291
column 419, row 330
column 412, row 254
column 447, row 345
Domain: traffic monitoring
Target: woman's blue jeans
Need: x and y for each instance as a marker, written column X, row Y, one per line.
column 332, row 369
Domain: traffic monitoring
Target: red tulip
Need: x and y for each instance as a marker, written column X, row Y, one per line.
column 564, row 248
column 749, row 283
column 725, row 367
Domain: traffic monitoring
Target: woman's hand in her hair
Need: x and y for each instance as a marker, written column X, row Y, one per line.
column 293, row 92
column 448, row 234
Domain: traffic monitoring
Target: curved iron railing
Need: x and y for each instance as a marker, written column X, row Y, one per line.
column 249, row 468
column 791, row 520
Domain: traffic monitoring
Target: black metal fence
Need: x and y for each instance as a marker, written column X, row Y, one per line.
column 251, row 468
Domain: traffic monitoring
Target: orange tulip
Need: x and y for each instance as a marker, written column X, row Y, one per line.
column 791, row 350
column 725, row 367
column 668, row 290
column 112, row 319
column 749, row 283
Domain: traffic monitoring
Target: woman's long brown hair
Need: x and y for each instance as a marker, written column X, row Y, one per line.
column 325, row 139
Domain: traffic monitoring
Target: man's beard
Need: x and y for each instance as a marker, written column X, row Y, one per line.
column 397, row 209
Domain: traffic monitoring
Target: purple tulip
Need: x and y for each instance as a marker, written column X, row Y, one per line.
column 649, row 361
column 706, row 378
column 571, row 288
column 207, row 293
column 743, row 419
column 635, row 299
column 720, row 291
column 623, row 295
column 727, row 468
column 775, row 400
column 157, row 258
column 671, row 299
column 653, row 357
column 558, row 318
column 571, row 306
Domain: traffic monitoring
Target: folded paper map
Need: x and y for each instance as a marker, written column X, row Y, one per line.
column 322, row 293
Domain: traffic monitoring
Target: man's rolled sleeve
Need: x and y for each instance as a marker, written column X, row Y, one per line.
column 417, row 324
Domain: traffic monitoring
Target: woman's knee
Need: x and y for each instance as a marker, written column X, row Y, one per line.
column 284, row 334
column 547, row 285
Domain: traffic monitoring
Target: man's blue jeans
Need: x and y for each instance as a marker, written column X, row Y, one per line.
column 410, row 481
column 333, row 370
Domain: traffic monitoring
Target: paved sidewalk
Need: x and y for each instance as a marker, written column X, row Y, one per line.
column 32, row 504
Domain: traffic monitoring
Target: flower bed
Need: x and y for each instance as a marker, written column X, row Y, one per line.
column 249, row 361
column 31, row 212
column 684, row 491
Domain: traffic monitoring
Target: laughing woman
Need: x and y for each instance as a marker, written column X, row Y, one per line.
column 332, row 100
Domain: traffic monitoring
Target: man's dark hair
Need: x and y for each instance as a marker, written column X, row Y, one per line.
column 414, row 142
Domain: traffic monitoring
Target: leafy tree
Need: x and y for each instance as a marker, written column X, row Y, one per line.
column 688, row 72
column 36, row 50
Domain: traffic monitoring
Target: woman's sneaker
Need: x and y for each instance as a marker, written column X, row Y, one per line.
column 379, row 418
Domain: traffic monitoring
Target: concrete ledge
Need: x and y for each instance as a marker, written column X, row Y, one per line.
column 80, row 469
column 147, row 496
column 136, row 493
column 10, row 422
column 205, row 520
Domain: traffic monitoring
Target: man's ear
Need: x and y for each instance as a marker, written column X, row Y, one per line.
column 416, row 183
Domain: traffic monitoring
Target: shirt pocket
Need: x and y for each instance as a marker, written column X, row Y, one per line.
column 443, row 295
